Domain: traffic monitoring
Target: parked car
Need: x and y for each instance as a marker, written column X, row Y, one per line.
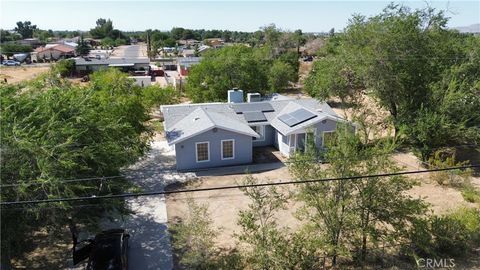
column 10, row 63
column 107, row 251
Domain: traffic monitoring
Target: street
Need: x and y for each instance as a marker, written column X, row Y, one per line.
column 130, row 51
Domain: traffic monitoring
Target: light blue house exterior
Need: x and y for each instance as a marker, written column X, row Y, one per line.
column 224, row 134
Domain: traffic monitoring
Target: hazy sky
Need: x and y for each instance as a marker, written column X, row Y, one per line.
column 310, row 16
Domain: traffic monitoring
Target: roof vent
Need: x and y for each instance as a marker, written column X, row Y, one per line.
column 319, row 110
column 196, row 119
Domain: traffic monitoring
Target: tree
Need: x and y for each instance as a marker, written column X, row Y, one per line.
column 25, row 29
column 332, row 76
column 53, row 130
column 354, row 215
column 64, row 67
column 83, row 47
column 102, row 29
column 9, row 49
column 194, row 237
column 226, row 68
column 280, row 75
column 259, row 227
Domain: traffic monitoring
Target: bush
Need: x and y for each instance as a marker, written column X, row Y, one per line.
column 64, row 67
column 452, row 234
column 154, row 95
column 470, row 194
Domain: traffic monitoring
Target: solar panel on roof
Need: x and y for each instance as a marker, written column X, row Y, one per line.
column 296, row 117
column 252, row 107
column 287, row 119
column 254, row 117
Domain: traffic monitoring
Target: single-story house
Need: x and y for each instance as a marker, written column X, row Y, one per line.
column 126, row 64
column 53, row 52
column 210, row 135
column 188, row 53
column 184, row 64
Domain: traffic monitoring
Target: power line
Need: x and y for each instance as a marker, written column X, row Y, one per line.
column 131, row 170
column 40, row 182
column 162, row 192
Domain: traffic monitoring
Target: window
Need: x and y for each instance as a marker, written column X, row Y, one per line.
column 328, row 138
column 202, row 151
column 228, row 149
column 261, row 131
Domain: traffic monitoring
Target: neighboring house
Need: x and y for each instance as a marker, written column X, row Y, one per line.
column 214, row 42
column 184, row 64
column 203, row 49
column 188, row 42
column 223, row 134
column 34, row 42
column 126, row 64
column 188, row 53
column 53, row 52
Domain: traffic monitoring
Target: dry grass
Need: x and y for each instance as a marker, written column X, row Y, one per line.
column 22, row 73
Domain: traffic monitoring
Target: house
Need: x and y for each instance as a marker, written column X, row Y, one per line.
column 224, row 134
column 184, row 64
column 214, row 42
column 188, row 52
column 126, row 64
column 53, row 52
column 34, row 42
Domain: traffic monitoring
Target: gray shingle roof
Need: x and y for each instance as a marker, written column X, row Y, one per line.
column 180, row 123
column 201, row 120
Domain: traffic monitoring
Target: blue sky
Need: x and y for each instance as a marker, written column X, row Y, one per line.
column 310, row 16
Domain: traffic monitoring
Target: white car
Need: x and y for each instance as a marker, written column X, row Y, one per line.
column 10, row 63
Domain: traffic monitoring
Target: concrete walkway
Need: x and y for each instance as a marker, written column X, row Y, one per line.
column 150, row 246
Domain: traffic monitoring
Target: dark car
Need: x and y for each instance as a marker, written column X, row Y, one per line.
column 107, row 251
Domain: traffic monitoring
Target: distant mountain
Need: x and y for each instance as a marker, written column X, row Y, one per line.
column 474, row 28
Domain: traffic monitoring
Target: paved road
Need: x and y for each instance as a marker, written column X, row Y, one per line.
column 130, row 51
column 150, row 242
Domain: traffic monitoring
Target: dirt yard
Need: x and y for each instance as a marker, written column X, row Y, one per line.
column 22, row 73
column 224, row 205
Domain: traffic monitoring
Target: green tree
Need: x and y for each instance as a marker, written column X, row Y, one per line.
column 25, row 29
column 194, row 238
column 280, row 75
column 83, row 47
column 226, row 68
column 102, row 29
column 353, row 216
column 266, row 242
column 9, row 49
column 64, row 67
column 53, row 130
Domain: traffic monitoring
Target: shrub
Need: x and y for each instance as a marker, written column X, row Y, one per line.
column 451, row 234
column 64, row 67
column 470, row 194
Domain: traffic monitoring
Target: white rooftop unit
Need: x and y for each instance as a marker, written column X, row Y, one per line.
column 235, row 96
column 254, row 97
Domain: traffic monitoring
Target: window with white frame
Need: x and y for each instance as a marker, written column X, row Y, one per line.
column 202, row 151
column 261, row 131
column 228, row 149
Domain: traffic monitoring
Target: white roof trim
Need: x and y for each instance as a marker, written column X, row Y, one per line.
column 179, row 140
